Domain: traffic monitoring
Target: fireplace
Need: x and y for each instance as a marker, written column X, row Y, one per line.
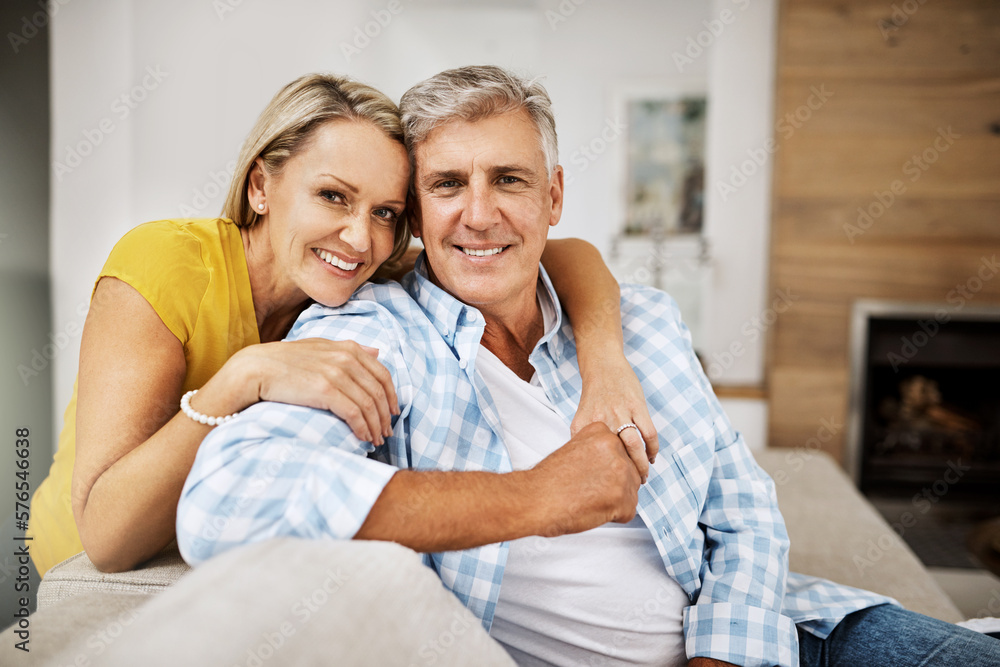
column 925, row 400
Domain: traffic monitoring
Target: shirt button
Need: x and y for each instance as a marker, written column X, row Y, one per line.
column 470, row 315
column 462, row 363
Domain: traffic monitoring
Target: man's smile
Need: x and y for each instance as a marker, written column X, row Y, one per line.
column 482, row 252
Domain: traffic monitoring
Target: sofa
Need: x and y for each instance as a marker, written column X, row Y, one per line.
column 86, row 617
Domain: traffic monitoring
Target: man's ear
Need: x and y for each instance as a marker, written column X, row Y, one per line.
column 416, row 221
column 556, row 185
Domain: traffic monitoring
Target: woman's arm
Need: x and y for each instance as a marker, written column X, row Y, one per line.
column 134, row 447
column 611, row 391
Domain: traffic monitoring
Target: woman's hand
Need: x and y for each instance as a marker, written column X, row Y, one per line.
column 134, row 449
column 611, row 391
column 340, row 376
column 612, row 395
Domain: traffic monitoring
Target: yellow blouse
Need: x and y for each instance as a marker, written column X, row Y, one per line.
column 194, row 275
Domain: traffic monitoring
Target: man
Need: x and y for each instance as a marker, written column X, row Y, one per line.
column 555, row 543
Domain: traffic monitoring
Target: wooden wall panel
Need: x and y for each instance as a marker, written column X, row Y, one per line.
column 858, row 38
column 892, row 88
column 921, row 220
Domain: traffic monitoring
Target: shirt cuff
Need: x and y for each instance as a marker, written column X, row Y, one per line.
column 741, row 635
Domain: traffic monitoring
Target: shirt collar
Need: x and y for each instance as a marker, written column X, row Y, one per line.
column 448, row 313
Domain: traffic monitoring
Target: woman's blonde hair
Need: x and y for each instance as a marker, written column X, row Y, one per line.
column 288, row 122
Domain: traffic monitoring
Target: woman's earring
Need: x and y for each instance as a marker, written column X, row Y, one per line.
column 260, row 207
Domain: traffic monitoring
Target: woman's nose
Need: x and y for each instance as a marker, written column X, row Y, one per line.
column 357, row 233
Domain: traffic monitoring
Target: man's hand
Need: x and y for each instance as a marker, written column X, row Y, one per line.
column 709, row 662
column 586, row 483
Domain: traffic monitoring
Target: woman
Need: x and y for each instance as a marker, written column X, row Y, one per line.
column 197, row 309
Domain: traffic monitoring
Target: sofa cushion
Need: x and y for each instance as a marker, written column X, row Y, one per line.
column 838, row 535
column 835, row 533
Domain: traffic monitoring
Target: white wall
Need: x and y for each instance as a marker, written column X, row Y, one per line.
column 217, row 69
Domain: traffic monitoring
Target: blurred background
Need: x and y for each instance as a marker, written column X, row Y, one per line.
column 816, row 182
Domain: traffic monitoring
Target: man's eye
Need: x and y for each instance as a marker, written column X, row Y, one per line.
column 448, row 184
column 509, row 180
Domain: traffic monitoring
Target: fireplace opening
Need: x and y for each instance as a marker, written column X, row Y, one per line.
column 930, row 402
column 924, row 422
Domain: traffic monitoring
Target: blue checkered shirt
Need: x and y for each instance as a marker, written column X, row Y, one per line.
column 285, row 470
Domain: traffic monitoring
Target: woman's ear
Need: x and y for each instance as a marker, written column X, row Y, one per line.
column 256, row 187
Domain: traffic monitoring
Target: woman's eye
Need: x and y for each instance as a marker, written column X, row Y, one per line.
column 330, row 195
column 386, row 214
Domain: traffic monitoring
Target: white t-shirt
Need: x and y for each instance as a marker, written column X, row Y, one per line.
column 601, row 597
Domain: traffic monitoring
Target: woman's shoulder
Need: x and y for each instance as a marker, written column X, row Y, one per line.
column 177, row 234
column 174, row 263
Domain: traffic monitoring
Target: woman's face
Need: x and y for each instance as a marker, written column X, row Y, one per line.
column 331, row 213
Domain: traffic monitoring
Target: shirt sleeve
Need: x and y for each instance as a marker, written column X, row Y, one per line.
column 737, row 617
column 165, row 264
column 286, row 470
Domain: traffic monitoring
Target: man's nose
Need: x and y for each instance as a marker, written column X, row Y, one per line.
column 482, row 210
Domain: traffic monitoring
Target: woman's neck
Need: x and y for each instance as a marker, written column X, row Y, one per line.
column 276, row 302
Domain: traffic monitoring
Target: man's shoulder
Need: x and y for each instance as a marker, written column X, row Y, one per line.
column 648, row 303
column 375, row 311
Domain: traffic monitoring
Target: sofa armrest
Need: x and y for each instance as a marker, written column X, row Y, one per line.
column 77, row 575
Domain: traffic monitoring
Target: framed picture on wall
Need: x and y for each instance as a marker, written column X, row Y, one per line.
column 661, row 173
column 664, row 163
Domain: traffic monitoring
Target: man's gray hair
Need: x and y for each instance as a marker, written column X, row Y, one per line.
column 474, row 93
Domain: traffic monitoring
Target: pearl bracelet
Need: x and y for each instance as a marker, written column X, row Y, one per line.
column 200, row 418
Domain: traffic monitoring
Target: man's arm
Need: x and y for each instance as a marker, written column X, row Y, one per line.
column 284, row 470
column 737, row 615
column 745, row 559
column 586, row 483
column 298, row 472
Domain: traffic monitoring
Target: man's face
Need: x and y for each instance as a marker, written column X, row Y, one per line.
column 485, row 202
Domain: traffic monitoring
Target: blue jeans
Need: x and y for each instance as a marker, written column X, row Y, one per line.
column 890, row 636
